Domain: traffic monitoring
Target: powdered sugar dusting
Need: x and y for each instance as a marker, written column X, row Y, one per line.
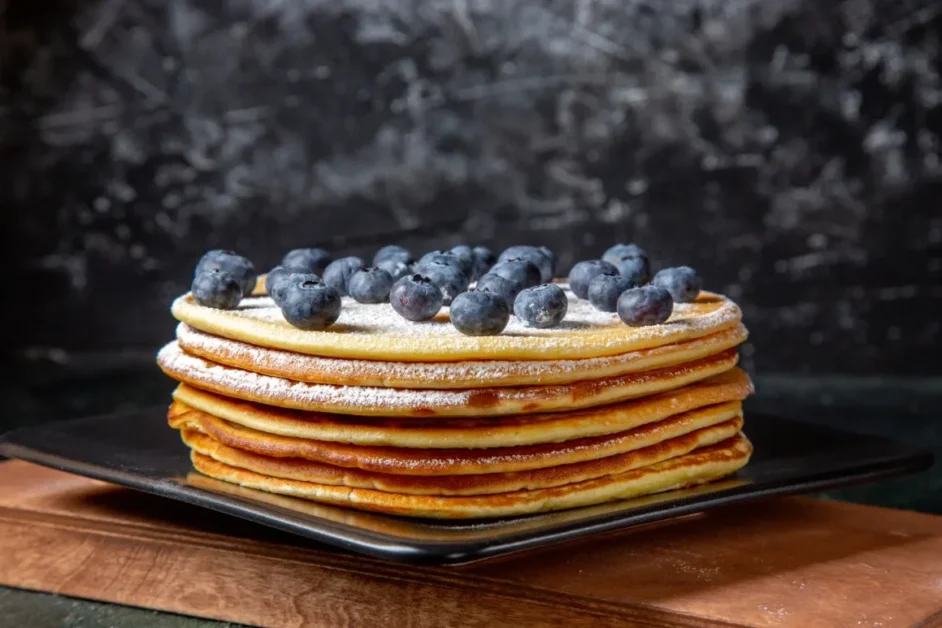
column 379, row 373
column 377, row 400
column 253, row 385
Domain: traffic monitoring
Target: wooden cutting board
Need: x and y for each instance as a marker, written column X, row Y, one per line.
column 783, row 562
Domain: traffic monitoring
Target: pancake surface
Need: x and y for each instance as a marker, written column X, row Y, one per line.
column 376, row 332
column 432, row 462
column 367, row 401
column 469, row 432
column 701, row 465
column 447, row 375
column 559, row 475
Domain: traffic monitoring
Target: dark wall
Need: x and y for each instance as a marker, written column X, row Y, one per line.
column 788, row 149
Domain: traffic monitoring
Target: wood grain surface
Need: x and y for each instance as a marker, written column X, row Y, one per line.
column 784, row 562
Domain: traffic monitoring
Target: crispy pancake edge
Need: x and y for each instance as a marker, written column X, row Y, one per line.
column 702, row 465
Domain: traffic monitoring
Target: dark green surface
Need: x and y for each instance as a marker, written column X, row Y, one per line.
column 904, row 410
column 29, row 609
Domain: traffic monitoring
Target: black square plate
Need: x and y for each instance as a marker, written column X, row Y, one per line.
column 140, row 451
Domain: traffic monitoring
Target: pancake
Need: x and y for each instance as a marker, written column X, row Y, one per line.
column 367, row 401
column 319, row 473
column 376, row 332
column 446, row 375
column 467, row 432
column 176, row 409
column 702, row 465
column 431, row 462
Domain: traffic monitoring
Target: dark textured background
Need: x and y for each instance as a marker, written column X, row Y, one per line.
column 788, row 149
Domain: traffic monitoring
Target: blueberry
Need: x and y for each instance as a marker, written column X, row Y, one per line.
column 477, row 313
column 483, row 258
column 415, row 298
column 215, row 287
column 495, row 284
column 314, row 261
column 213, row 257
column 541, row 306
column 604, row 291
column 283, row 277
column 682, row 282
column 275, row 282
column 464, row 252
column 371, row 285
column 518, row 269
column 448, row 277
column 635, row 268
column 584, row 272
column 541, row 257
column 623, row 251
column 446, row 257
column 397, row 268
column 391, row 252
column 309, row 303
column 239, row 267
column 647, row 305
column 338, row 273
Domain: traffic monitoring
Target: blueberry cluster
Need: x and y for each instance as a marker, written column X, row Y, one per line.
column 482, row 290
column 305, row 286
column 443, row 278
column 517, row 282
column 222, row 278
column 621, row 282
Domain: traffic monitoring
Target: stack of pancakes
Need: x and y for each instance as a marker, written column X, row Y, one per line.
column 383, row 414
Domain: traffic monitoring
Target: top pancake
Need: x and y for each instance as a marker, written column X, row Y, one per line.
column 376, row 332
